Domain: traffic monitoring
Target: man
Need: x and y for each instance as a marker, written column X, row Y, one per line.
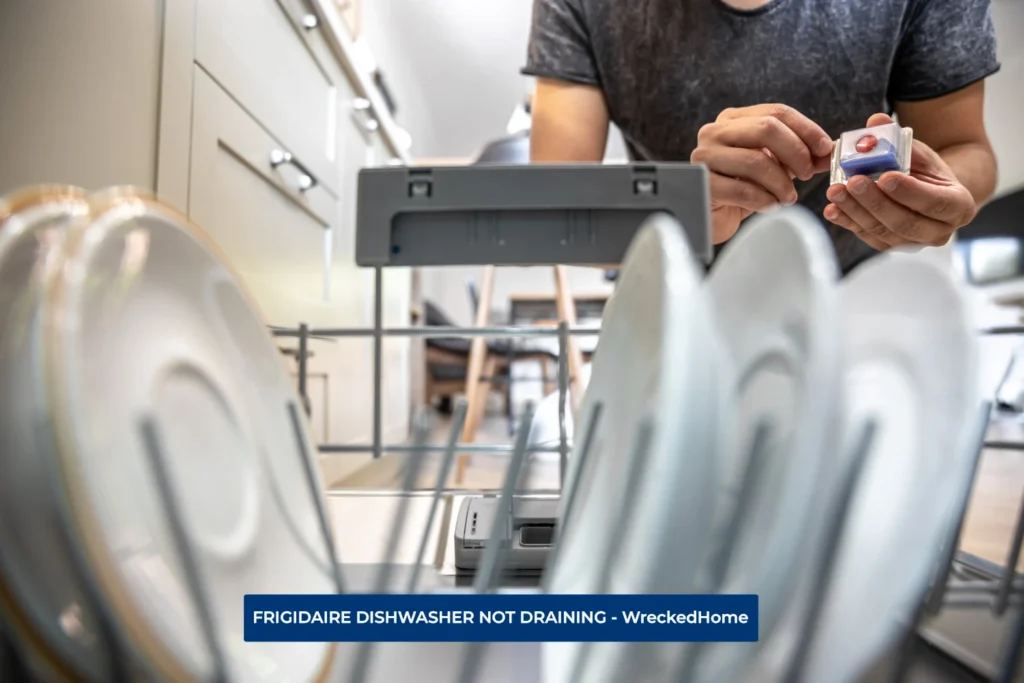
column 757, row 90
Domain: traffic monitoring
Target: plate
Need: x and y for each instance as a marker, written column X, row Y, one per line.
column 776, row 299
column 41, row 595
column 151, row 346
column 911, row 366
column 648, row 364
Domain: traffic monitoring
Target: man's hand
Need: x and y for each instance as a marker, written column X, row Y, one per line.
column 924, row 208
column 753, row 155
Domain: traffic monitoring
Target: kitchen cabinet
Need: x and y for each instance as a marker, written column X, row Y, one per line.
column 271, row 57
column 253, row 118
column 271, row 227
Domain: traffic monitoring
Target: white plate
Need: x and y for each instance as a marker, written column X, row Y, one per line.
column 146, row 322
column 46, row 602
column 776, row 298
column 912, row 366
column 648, row 364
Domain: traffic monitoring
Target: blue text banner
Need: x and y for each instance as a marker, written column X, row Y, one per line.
column 497, row 618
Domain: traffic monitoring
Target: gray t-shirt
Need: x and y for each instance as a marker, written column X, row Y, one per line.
column 667, row 67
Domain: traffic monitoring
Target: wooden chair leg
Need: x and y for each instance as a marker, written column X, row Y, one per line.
column 477, row 411
column 567, row 313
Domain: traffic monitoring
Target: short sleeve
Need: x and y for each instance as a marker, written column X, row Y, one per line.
column 946, row 46
column 560, row 45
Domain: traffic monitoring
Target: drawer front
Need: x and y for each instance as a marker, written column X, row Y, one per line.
column 276, row 234
column 261, row 53
column 279, row 239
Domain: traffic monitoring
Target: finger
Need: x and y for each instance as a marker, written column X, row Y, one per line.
column 813, row 135
column 879, row 120
column 899, row 219
column 741, row 193
column 751, row 165
column 836, row 215
column 840, row 196
column 866, row 222
column 951, row 204
column 770, row 134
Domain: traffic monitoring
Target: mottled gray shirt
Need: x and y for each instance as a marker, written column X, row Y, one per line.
column 667, row 67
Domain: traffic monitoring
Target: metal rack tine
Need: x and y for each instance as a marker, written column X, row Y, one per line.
column 413, row 467
column 563, row 390
column 315, row 494
column 421, row 430
column 154, row 448
column 1013, row 653
column 378, row 352
column 938, row 588
column 1010, row 568
column 303, row 363
column 638, row 463
column 833, row 536
column 493, row 562
column 458, row 420
column 569, row 498
column 719, row 563
column 753, row 469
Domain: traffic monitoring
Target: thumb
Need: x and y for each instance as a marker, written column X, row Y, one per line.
column 879, row 120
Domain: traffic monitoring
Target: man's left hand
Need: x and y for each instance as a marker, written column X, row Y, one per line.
column 924, row 208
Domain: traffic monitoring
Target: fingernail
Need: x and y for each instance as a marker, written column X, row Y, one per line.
column 824, row 147
column 839, row 196
column 857, row 186
column 890, row 183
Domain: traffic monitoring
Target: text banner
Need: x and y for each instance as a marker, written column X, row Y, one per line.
column 503, row 618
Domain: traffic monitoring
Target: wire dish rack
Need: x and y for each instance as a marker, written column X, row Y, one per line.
column 951, row 588
column 484, row 220
column 387, row 195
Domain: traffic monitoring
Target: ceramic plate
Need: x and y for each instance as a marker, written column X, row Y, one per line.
column 148, row 328
column 776, row 298
column 645, row 366
column 41, row 594
column 912, row 367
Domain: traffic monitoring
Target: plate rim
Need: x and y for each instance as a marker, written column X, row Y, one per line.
column 130, row 619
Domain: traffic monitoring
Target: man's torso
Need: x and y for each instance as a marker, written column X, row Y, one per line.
column 667, row 67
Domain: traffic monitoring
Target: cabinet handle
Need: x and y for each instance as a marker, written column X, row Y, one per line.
column 306, row 179
column 309, row 18
column 368, row 122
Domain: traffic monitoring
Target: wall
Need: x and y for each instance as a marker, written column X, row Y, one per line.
column 1005, row 95
column 453, row 65
column 86, row 113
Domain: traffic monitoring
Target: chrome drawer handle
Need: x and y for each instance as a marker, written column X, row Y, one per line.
column 309, row 19
column 306, row 179
column 361, row 104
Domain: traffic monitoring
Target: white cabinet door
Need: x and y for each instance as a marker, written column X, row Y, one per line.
column 270, row 56
column 279, row 238
column 275, row 232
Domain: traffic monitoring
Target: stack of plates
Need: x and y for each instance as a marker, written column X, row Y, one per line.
column 153, row 465
column 758, row 383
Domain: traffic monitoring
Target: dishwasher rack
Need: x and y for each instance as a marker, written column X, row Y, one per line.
column 948, row 590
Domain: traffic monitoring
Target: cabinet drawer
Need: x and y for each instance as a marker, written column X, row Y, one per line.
column 276, row 234
column 263, row 54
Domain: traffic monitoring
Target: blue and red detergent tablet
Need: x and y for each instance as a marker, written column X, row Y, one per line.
column 872, row 152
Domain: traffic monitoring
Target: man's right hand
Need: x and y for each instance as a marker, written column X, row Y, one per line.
column 753, row 154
